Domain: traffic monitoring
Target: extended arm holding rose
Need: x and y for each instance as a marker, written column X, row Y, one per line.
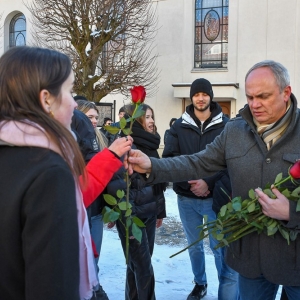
column 172, row 169
column 280, row 208
column 137, row 161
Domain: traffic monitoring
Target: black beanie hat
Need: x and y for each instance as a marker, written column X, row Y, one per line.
column 201, row 85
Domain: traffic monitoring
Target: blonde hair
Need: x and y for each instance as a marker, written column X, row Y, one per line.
column 85, row 106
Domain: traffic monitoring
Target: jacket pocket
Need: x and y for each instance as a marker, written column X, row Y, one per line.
column 291, row 157
column 240, row 150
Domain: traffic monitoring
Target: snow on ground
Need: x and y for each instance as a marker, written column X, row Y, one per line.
column 173, row 276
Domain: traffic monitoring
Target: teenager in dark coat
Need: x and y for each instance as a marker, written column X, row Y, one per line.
column 149, row 205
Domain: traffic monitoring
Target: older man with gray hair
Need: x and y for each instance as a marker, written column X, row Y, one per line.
column 263, row 142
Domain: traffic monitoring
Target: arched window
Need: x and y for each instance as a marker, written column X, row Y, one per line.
column 17, row 31
column 211, row 33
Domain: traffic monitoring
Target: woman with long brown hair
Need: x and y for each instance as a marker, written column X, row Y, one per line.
column 45, row 241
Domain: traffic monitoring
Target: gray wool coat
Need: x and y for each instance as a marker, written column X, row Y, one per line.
column 250, row 165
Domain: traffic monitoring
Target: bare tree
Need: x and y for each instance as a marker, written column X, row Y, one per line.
column 110, row 42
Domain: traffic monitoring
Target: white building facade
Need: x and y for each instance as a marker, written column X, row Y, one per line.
column 215, row 39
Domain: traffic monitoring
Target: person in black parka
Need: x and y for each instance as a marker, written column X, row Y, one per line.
column 148, row 204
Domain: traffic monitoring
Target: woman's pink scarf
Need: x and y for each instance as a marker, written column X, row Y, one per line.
column 20, row 134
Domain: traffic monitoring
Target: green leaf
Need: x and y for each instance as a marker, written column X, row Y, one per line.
column 298, row 205
column 220, row 236
column 123, row 123
column 105, row 217
column 120, row 194
column 126, row 131
column 271, row 230
column 268, row 186
column 238, row 198
column 237, row 206
column 252, row 194
column 269, row 193
column 296, row 192
column 245, row 215
column 225, row 242
column 138, row 221
column 255, row 224
column 128, row 222
column 285, row 234
column 219, row 221
column 138, row 113
column 214, row 234
column 105, row 209
column 136, row 232
column 117, row 209
column 293, row 235
column 278, row 178
column 113, row 216
column 273, row 224
column 128, row 212
column 122, row 205
column 112, row 129
column 110, row 199
column 223, row 210
column 245, row 203
column 286, row 193
column 110, row 216
column 251, row 207
column 267, row 221
column 220, row 227
column 229, row 207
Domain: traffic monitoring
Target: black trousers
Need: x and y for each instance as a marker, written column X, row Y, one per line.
column 140, row 281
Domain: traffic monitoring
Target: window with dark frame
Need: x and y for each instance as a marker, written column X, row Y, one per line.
column 211, row 33
column 17, row 31
column 105, row 111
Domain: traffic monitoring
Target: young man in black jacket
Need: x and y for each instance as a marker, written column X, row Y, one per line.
column 202, row 121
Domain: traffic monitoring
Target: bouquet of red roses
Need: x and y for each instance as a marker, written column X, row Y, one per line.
column 240, row 217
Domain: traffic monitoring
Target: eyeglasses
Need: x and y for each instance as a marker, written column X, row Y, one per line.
column 108, row 123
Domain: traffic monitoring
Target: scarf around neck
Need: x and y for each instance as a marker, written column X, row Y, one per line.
column 14, row 133
column 145, row 141
column 271, row 133
column 148, row 143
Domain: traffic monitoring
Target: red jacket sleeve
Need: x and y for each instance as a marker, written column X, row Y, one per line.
column 100, row 170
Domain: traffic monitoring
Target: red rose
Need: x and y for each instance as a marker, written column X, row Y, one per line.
column 295, row 170
column 138, row 94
